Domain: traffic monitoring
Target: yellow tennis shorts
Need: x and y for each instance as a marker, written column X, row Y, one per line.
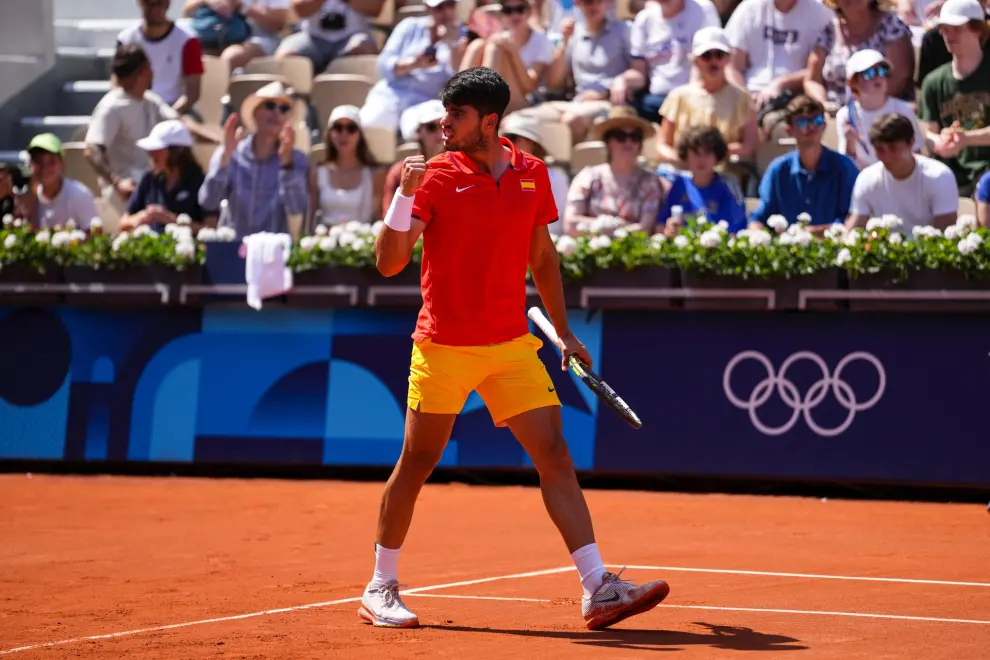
column 509, row 377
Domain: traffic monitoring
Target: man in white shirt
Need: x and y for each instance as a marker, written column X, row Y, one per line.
column 123, row 116
column 918, row 190
column 771, row 41
column 56, row 200
column 660, row 46
column 332, row 29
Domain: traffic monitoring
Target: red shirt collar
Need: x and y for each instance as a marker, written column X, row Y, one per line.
column 516, row 159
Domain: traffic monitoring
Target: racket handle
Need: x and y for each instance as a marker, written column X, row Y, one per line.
column 543, row 323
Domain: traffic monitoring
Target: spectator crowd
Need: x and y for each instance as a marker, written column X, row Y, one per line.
column 649, row 113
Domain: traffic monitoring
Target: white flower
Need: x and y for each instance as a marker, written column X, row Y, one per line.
column 804, row 218
column 43, row 236
column 377, row 228
column 18, row 223
column 657, row 240
column 844, row 257
column 965, row 222
column 852, row 238
column 179, row 232
column 354, row 227
column 952, row 232
column 584, row 227
column 600, row 243
column 70, row 225
column 620, row 233
column 207, row 234
column 926, row 231
column 836, row 232
column 346, row 238
column 8, row 220
column 226, row 234
column 896, row 238
column 722, row 226
column 681, row 241
column 96, row 223
column 77, row 235
column 754, row 237
column 891, row 221
column 60, row 239
column 777, row 222
column 185, row 248
column 732, row 242
column 183, row 219
column 701, row 220
column 145, row 230
column 566, row 245
column 328, row 243
column 359, row 243
column 787, row 239
column 970, row 243
column 307, row 243
column 336, row 231
column 321, row 230
column 874, row 223
column 10, row 242
column 803, row 237
column 604, row 223
column 710, row 238
column 119, row 241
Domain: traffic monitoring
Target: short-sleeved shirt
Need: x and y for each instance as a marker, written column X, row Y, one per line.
column 729, row 109
column 983, row 189
column 476, row 247
column 119, row 121
column 665, row 43
column 945, row 100
column 929, row 191
column 890, row 29
column 862, row 120
column 596, row 191
column 597, row 58
column 717, row 201
column 183, row 198
column 173, row 57
column 73, row 202
column 790, row 190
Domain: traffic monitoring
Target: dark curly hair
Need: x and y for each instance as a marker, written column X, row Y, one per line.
column 702, row 138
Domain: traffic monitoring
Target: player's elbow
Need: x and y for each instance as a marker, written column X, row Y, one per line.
column 389, row 264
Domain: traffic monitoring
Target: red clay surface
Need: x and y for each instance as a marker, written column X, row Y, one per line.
column 89, row 556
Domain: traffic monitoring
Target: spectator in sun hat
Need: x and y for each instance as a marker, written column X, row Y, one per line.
column 430, row 140
column 868, row 71
column 171, row 187
column 526, row 133
column 421, row 54
column 332, row 29
column 347, row 185
column 54, row 199
column 260, row 173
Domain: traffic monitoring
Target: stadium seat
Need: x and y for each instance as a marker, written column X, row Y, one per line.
column 203, row 152
column 360, row 65
column 78, row 168
column 557, row 141
column 298, row 71
column 333, row 89
column 409, row 11
column 587, row 154
column 381, row 143
column 317, row 153
column 215, row 81
column 108, row 214
column 406, row 150
column 967, row 206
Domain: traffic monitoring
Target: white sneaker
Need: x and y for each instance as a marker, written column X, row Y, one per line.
column 619, row 599
column 382, row 606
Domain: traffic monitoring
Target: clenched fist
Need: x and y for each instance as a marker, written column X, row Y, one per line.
column 413, row 171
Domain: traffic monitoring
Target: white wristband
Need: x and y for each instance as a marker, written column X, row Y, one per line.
column 399, row 216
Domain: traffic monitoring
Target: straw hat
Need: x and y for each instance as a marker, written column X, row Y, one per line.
column 273, row 91
column 621, row 116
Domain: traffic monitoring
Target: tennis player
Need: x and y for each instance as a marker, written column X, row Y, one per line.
column 482, row 208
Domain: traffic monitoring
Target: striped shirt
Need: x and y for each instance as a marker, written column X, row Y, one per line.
column 260, row 194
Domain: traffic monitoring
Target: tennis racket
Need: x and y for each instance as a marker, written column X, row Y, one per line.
column 589, row 377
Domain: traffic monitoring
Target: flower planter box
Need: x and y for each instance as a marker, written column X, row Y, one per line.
column 142, row 275
column 918, row 281
column 401, row 290
column 22, row 274
column 629, row 288
column 330, row 286
column 786, row 290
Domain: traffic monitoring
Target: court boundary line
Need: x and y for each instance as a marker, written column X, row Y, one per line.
column 813, row 576
column 862, row 615
column 280, row 610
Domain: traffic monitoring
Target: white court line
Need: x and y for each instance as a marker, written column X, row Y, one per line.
column 813, row 576
column 281, row 610
column 863, row 615
column 521, row 600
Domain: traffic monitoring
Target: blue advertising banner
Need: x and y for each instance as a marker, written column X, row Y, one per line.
column 795, row 396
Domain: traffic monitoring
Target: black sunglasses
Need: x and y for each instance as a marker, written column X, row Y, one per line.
column 710, row 55
column 345, row 128
column 284, row 108
column 514, row 9
column 624, row 136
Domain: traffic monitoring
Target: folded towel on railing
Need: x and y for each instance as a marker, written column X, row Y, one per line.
column 264, row 266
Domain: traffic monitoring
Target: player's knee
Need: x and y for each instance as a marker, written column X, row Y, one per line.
column 554, row 458
column 421, row 461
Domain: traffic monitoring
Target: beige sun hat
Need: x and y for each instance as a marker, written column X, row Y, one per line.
column 622, row 116
column 273, row 91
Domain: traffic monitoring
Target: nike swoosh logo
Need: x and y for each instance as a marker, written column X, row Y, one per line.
column 465, row 188
column 614, row 598
column 549, row 389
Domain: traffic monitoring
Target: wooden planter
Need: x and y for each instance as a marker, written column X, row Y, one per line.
column 345, row 286
column 138, row 285
column 20, row 274
column 786, row 290
column 920, row 281
column 616, row 288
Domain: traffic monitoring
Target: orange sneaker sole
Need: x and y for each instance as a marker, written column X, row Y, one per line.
column 650, row 600
column 373, row 620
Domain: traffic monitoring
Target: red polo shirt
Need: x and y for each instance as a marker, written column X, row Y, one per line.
column 476, row 247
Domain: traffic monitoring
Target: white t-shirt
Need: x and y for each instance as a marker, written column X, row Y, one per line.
column 354, row 22
column 863, row 119
column 538, row 50
column 173, row 57
column 665, row 44
column 929, row 191
column 73, row 202
column 119, row 121
column 778, row 44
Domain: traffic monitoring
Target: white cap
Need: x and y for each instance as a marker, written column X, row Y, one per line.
column 710, row 38
column 169, row 133
column 523, row 126
column 960, row 12
column 350, row 112
column 431, row 111
column 433, row 4
column 863, row 60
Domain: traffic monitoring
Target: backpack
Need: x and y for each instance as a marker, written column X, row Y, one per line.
column 216, row 32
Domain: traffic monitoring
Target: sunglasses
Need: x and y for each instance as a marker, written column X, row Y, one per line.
column 431, row 127
column 809, row 123
column 878, row 71
column 710, row 55
column 508, row 10
column 284, row 108
column 351, row 129
column 624, row 136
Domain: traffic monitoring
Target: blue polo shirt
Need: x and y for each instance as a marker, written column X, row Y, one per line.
column 717, row 201
column 182, row 198
column 983, row 189
column 790, row 190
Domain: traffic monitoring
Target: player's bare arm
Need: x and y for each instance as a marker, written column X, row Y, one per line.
column 395, row 242
column 545, row 266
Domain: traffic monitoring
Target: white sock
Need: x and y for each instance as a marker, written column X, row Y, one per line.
column 386, row 566
column 590, row 568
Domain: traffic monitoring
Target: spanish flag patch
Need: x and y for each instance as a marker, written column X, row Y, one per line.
column 527, row 184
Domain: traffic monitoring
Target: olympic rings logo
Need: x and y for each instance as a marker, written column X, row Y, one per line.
column 789, row 394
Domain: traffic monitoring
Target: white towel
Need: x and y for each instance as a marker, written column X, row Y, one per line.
column 264, row 266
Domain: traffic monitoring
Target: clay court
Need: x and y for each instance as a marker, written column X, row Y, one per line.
column 120, row 567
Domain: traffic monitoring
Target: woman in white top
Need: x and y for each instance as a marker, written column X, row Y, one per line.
column 520, row 54
column 348, row 184
column 524, row 132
